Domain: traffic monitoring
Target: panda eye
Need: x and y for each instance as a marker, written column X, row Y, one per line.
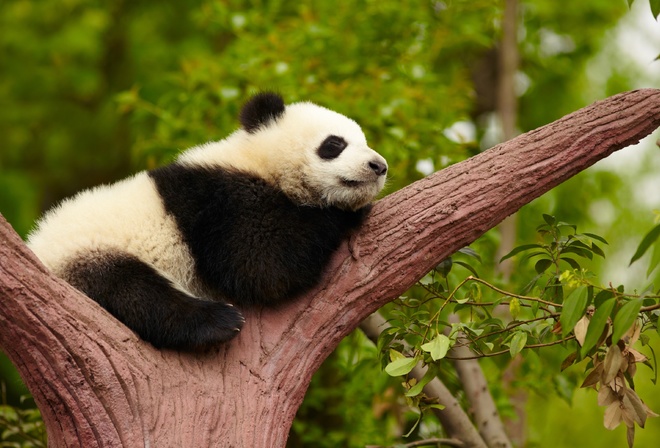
column 331, row 147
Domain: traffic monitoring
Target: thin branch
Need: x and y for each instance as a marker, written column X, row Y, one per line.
column 503, row 352
column 515, row 325
column 509, row 294
column 644, row 309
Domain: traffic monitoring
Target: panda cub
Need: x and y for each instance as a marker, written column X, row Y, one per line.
column 251, row 220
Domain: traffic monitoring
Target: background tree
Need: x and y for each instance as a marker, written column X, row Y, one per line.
column 94, row 92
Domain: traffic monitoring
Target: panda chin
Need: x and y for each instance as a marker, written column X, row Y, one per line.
column 351, row 183
column 351, row 195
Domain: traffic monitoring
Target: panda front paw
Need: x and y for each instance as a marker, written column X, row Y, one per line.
column 201, row 328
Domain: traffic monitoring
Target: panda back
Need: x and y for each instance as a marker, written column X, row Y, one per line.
column 127, row 217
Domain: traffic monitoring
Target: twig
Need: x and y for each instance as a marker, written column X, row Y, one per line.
column 509, row 294
column 649, row 308
column 489, row 355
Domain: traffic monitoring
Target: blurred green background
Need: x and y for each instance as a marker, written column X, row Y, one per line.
column 91, row 91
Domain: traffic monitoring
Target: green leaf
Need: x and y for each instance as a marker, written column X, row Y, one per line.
column 8, row 413
column 650, row 237
column 573, row 309
column 579, row 251
column 602, row 297
column 565, row 224
column 437, row 347
column 542, row 265
column 401, row 366
column 428, row 376
column 655, row 260
column 517, row 250
column 444, row 267
column 578, row 243
column 529, row 286
column 436, row 406
column 574, row 264
column 385, row 338
column 597, row 250
column 419, row 419
column 624, row 318
column 394, row 355
column 549, row 219
column 655, row 7
column 470, row 252
column 597, row 325
column 596, row 237
column 514, row 308
column 532, row 255
column 468, row 267
column 517, row 343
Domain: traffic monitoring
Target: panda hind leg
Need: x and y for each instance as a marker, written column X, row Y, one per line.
column 150, row 305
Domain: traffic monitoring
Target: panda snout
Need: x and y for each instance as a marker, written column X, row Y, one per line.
column 378, row 167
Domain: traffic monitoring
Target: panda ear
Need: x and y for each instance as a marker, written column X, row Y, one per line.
column 260, row 110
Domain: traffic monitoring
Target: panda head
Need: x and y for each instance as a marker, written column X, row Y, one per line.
column 314, row 155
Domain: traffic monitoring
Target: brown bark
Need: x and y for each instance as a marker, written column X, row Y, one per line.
column 98, row 385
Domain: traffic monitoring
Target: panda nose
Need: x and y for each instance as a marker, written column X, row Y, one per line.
column 378, row 167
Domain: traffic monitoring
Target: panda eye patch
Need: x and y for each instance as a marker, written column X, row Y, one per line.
column 331, row 147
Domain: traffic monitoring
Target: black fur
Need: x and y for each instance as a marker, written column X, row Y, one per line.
column 252, row 245
column 137, row 295
column 331, row 147
column 260, row 110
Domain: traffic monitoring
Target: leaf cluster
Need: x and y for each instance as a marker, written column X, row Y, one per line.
column 560, row 305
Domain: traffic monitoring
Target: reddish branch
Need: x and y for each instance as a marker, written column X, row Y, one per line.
column 98, row 385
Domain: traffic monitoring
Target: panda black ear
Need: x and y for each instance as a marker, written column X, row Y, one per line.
column 260, row 110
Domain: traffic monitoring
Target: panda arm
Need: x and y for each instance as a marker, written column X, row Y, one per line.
column 251, row 244
column 257, row 247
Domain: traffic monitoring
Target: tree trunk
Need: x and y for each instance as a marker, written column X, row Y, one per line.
column 97, row 384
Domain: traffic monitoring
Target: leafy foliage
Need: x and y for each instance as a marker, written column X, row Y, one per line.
column 598, row 324
column 20, row 428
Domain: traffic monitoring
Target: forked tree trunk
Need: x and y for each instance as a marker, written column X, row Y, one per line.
column 97, row 384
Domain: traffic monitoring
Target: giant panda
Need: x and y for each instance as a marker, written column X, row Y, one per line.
column 248, row 221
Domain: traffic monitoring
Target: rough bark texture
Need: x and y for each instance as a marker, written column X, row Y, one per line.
column 98, row 385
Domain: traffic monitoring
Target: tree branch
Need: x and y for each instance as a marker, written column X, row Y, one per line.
column 98, row 385
column 482, row 405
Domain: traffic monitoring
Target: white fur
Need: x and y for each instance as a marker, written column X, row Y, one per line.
column 284, row 154
column 129, row 216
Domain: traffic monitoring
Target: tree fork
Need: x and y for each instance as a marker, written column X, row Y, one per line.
column 97, row 384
